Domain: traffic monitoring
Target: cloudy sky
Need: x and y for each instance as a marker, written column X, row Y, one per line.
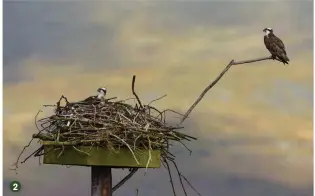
column 254, row 127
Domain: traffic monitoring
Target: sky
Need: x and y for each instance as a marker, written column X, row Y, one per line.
column 254, row 127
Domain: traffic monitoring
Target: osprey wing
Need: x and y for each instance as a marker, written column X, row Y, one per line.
column 276, row 48
column 279, row 43
column 269, row 44
column 272, row 46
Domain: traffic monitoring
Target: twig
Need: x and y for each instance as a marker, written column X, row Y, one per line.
column 62, row 97
column 34, row 153
column 62, row 150
column 72, row 143
column 217, row 79
column 190, row 184
column 28, row 145
column 157, row 99
column 124, row 180
column 36, row 120
column 170, row 175
column 179, row 175
column 49, row 105
column 17, row 161
column 133, row 91
column 133, row 154
column 38, row 154
column 169, row 110
column 150, row 156
column 110, row 98
column 81, row 151
column 190, row 151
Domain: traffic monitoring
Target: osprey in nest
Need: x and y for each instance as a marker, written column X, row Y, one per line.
column 99, row 97
column 275, row 46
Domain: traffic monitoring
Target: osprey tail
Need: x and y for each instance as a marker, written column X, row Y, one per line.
column 284, row 59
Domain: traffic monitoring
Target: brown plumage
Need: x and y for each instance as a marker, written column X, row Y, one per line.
column 275, row 46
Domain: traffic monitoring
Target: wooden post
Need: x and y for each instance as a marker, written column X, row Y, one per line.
column 101, row 181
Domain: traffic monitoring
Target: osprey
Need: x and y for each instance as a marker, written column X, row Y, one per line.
column 101, row 94
column 275, row 46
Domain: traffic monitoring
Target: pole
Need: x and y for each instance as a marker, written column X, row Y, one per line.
column 101, row 181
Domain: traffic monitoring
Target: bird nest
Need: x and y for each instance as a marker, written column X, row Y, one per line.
column 109, row 124
column 112, row 125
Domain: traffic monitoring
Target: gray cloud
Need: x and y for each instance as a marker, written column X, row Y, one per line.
column 54, row 31
column 51, row 30
column 285, row 100
column 61, row 31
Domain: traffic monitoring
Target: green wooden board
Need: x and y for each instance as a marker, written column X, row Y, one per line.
column 100, row 157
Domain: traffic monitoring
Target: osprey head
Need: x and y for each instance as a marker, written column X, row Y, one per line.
column 101, row 93
column 102, row 90
column 268, row 31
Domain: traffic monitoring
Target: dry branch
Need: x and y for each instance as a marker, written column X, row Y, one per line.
column 214, row 82
column 133, row 91
column 125, row 179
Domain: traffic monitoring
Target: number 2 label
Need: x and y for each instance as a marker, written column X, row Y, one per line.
column 15, row 186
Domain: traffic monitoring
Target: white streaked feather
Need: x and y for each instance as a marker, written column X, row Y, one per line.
column 101, row 94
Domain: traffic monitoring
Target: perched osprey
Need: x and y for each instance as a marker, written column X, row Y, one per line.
column 275, row 46
column 101, row 95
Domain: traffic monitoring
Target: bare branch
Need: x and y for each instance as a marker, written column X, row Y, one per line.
column 190, row 184
column 133, row 91
column 180, row 177
column 34, row 153
column 253, row 60
column 157, row 99
column 170, row 175
column 217, row 80
column 28, row 145
column 125, row 179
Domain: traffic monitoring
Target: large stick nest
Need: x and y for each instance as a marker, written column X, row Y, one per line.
column 112, row 125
